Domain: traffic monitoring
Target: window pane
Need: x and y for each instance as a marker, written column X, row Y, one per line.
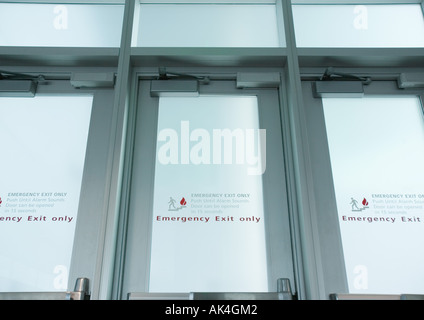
column 188, row 25
column 359, row 25
column 208, row 218
column 60, row 25
column 377, row 155
column 43, row 142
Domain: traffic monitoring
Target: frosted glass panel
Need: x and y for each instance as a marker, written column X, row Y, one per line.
column 43, row 142
column 359, row 25
column 214, row 25
column 208, row 217
column 377, row 155
column 60, row 25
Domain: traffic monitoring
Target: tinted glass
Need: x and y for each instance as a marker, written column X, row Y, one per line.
column 190, row 25
column 377, row 151
column 43, row 143
column 58, row 25
column 208, row 216
column 359, row 25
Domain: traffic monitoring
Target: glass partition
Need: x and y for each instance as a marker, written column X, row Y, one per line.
column 60, row 25
column 43, row 142
column 359, row 25
column 377, row 150
column 208, row 213
column 207, row 25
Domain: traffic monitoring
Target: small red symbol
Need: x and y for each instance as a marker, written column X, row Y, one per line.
column 183, row 202
column 365, row 202
column 0, row 201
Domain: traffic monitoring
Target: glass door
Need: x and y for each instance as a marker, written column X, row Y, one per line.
column 55, row 149
column 208, row 209
column 368, row 152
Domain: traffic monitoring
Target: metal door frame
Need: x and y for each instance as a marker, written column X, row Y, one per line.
column 89, row 240
column 121, row 263
column 333, row 273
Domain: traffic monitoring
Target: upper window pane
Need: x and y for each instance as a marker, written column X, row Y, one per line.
column 359, row 25
column 58, row 25
column 207, row 25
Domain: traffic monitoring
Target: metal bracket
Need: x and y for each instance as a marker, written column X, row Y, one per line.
column 167, row 75
column 258, row 80
column 174, row 88
column 331, row 74
column 13, row 84
column 18, row 88
column 284, row 288
column 8, row 75
column 338, row 89
column 81, row 290
column 93, row 79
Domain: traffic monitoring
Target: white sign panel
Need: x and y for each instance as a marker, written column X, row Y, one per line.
column 43, row 142
column 377, row 153
column 208, row 217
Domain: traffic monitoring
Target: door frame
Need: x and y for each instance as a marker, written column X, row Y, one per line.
column 333, row 273
column 217, row 74
column 88, row 243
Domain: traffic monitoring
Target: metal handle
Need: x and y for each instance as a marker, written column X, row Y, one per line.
column 284, row 288
column 81, row 290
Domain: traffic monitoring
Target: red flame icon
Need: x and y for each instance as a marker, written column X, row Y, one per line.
column 365, row 202
column 183, row 202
